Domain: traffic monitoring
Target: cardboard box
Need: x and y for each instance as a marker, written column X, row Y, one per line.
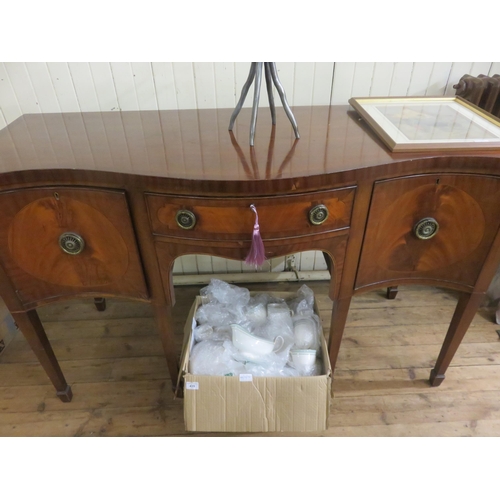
column 253, row 404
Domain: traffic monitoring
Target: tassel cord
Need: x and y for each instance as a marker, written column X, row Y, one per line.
column 257, row 255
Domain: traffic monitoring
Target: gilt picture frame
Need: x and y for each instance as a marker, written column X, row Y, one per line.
column 407, row 124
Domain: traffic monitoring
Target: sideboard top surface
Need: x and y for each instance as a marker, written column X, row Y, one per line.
column 196, row 144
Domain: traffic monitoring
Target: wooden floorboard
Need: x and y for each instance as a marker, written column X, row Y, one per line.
column 115, row 365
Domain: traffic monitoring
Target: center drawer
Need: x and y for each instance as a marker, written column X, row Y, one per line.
column 232, row 218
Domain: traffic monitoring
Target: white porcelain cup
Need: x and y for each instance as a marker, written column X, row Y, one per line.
column 304, row 360
column 304, row 332
column 248, row 343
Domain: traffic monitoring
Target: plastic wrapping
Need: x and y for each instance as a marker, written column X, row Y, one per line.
column 203, row 332
column 224, row 293
column 216, row 314
column 308, row 371
column 266, row 371
column 210, row 357
column 207, row 332
column 263, row 316
column 303, row 303
column 306, row 332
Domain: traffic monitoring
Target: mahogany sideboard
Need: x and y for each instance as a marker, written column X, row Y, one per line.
column 101, row 204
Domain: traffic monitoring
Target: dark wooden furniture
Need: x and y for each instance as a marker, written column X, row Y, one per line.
column 101, row 204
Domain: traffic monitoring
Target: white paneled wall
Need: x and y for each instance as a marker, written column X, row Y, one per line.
column 58, row 86
column 41, row 87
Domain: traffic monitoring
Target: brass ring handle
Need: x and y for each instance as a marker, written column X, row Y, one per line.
column 426, row 229
column 71, row 243
column 318, row 215
column 185, row 219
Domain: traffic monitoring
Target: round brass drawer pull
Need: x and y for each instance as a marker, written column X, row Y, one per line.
column 426, row 228
column 185, row 219
column 71, row 243
column 318, row 214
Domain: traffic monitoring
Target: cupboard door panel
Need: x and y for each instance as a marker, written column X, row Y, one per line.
column 69, row 241
column 464, row 211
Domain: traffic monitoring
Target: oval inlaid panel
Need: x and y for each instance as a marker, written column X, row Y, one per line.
column 34, row 243
column 461, row 229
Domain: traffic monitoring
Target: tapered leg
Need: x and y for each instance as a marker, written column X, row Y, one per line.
column 30, row 325
column 100, row 303
column 392, row 291
column 328, row 262
column 340, row 310
column 465, row 311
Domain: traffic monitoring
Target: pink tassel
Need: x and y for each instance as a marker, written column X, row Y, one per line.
column 257, row 255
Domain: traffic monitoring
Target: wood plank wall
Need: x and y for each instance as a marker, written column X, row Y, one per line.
column 47, row 87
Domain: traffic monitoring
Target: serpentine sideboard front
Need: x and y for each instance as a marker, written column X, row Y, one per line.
column 101, row 204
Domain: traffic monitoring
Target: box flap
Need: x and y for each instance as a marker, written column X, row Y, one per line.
column 187, row 343
column 266, row 404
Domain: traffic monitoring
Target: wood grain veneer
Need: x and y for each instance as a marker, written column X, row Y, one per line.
column 156, row 162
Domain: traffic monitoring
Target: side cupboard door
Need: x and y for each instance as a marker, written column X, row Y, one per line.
column 430, row 227
column 59, row 241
